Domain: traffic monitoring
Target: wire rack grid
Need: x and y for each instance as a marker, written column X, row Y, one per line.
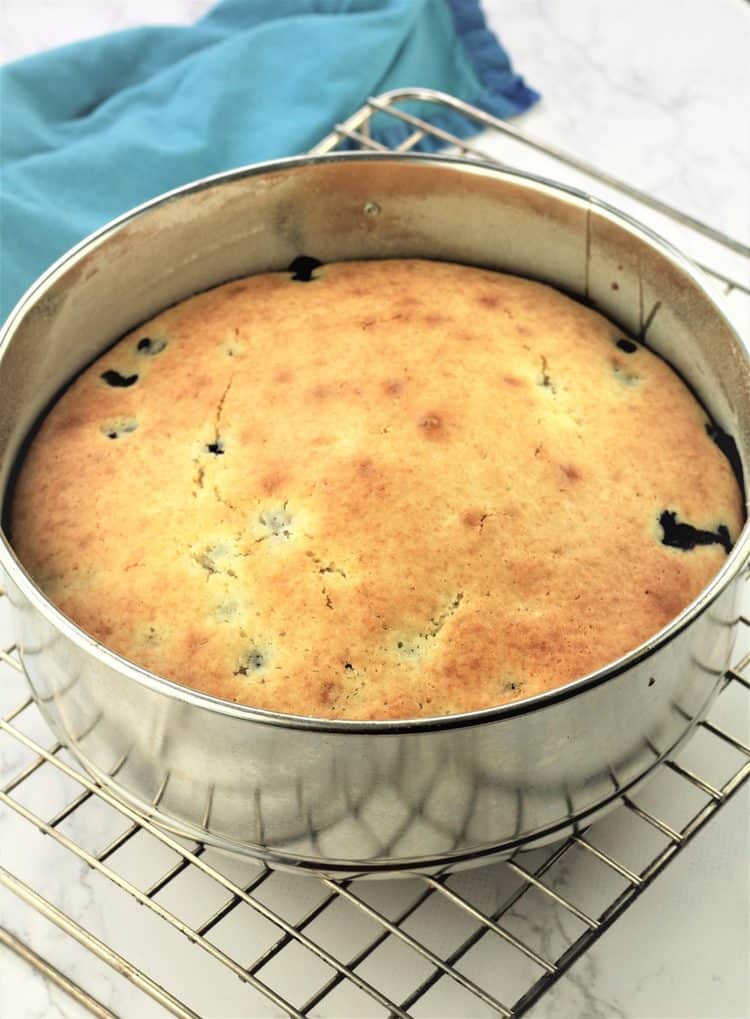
column 469, row 943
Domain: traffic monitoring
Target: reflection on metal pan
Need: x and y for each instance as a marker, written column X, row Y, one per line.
column 363, row 797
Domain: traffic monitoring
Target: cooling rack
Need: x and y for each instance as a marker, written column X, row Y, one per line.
column 471, row 943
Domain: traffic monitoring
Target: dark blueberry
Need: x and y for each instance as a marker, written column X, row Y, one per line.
column 113, row 378
column 625, row 377
column 627, row 345
column 302, row 268
column 217, row 448
column 545, row 379
column 678, row 534
column 728, row 446
column 348, row 665
column 121, row 426
column 277, row 521
column 254, row 662
column 151, row 347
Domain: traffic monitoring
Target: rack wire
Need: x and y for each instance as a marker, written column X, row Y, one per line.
column 413, row 947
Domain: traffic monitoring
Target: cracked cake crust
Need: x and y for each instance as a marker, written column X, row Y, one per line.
column 375, row 490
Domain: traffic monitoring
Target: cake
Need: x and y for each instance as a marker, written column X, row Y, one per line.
column 375, row 490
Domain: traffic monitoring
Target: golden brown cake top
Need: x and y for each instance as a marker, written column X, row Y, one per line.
column 395, row 489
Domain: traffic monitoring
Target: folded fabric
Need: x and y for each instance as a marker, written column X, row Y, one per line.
column 92, row 129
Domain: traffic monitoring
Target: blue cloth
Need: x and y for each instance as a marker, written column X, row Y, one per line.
column 92, row 129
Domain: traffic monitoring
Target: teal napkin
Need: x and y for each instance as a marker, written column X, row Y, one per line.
column 92, row 129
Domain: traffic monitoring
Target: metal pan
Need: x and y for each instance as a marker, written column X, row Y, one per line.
column 366, row 797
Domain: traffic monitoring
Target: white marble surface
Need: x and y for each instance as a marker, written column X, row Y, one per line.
column 656, row 94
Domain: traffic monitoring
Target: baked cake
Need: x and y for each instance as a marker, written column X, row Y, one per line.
column 374, row 490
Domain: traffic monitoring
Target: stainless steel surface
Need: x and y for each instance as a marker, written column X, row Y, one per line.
column 389, row 103
column 363, row 797
column 555, row 885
